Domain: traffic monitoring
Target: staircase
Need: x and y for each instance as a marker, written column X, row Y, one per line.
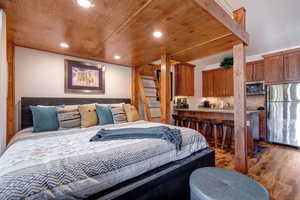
column 150, row 93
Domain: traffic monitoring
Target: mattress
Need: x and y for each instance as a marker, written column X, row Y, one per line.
column 65, row 165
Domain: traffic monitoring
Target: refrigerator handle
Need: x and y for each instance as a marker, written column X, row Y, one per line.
column 268, row 101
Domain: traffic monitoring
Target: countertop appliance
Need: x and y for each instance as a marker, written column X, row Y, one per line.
column 255, row 88
column 206, row 104
column 283, row 114
column 181, row 103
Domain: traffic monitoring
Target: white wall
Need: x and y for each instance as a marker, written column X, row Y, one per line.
column 41, row 74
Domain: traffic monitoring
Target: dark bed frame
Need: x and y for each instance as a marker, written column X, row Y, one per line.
column 168, row 182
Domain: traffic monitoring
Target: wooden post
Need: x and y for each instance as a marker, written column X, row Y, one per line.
column 165, row 87
column 240, row 131
column 240, row 17
column 239, row 77
column 134, row 87
column 11, row 92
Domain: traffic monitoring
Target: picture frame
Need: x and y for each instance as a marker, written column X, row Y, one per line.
column 84, row 77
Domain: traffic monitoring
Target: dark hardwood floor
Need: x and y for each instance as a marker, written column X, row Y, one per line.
column 276, row 167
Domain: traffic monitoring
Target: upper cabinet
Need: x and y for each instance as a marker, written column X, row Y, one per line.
column 208, row 83
column 255, row 71
column 184, row 77
column 283, row 67
column 217, row 82
column 274, row 67
column 292, row 66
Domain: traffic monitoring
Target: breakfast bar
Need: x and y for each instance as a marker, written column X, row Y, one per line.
column 220, row 115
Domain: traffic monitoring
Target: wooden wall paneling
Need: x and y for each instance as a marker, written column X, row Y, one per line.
column 292, row 66
column 239, row 69
column 134, row 87
column 165, row 87
column 11, row 91
column 274, row 69
column 184, row 79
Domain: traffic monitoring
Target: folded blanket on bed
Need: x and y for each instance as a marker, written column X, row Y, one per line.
column 161, row 132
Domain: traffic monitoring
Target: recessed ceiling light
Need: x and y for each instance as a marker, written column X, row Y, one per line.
column 64, row 45
column 157, row 34
column 117, row 57
column 85, row 3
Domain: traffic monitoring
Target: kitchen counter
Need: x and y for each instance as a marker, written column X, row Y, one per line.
column 214, row 110
column 252, row 119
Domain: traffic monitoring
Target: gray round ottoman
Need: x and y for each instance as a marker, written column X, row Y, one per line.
column 212, row 183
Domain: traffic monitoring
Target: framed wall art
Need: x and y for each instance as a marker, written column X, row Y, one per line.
column 82, row 77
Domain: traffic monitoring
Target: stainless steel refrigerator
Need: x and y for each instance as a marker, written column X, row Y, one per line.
column 283, row 114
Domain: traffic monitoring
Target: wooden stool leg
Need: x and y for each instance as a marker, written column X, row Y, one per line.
column 224, row 136
column 215, row 132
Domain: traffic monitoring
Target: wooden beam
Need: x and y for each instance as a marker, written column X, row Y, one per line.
column 134, row 87
column 240, row 17
column 240, row 131
column 11, row 91
column 220, row 14
column 165, row 87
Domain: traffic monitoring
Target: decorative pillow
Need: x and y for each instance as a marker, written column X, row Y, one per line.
column 119, row 115
column 104, row 115
column 88, row 115
column 68, row 116
column 131, row 113
column 44, row 119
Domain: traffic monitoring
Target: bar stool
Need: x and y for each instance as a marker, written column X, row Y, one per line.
column 207, row 128
column 217, row 131
column 177, row 120
column 228, row 133
column 192, row 122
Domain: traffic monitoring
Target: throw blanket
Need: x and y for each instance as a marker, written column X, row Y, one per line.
column 161, row 132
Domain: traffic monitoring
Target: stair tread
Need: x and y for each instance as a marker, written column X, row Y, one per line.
column 148, row 78
column 154, row 107
column 156, row 117
column 152, row 96
column 151, row 87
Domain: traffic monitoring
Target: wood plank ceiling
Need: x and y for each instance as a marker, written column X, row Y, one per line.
column 114, row 27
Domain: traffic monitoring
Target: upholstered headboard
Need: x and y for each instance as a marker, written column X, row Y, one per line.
column 26, row 102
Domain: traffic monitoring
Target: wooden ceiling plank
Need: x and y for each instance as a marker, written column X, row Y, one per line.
column 206, row 49
column 220, row 14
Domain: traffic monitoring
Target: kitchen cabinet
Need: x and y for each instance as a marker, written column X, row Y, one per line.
column 292, row 66
column 255, row 71
column 229, row 91
column 184, row 77
column 217, row 82
column 208, row 83
column 274, row 69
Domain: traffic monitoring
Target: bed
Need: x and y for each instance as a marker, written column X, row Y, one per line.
column 63, row 164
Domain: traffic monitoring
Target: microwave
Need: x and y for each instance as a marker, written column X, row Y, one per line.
column 255, row 88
